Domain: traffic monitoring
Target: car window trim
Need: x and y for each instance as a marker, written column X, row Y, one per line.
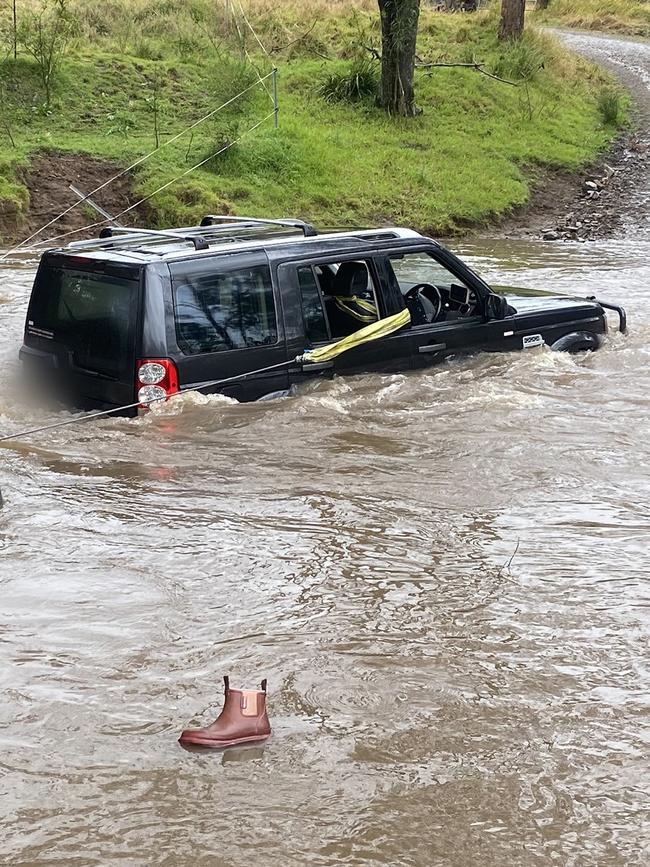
column 454, row 323
column 338, row 259
column 322, row 304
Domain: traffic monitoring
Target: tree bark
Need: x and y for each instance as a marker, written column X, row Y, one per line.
column 399, row 30
column 511, row 25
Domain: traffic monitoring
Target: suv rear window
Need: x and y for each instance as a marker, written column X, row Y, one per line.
column 224, row 310
column 89, row 312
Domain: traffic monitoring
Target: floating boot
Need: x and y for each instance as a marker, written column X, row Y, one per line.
column 243, row 720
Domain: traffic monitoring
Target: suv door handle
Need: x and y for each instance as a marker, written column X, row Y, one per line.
column 432, row 347
column 319, row 365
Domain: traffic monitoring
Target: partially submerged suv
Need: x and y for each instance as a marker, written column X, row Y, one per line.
column 137, row 314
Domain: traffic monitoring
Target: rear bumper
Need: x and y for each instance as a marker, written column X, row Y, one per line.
column 56, row 385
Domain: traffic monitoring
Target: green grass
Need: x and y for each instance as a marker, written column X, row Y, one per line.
column 464, row 160
column 622, row 16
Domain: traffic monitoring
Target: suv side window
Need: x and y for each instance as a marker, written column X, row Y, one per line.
column 431, row 291
column 338, row 298
column 220, row 310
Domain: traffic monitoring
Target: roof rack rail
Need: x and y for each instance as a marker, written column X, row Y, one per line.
column 307, row 229
column 213, row 228
column 111, row 231
column 113, row 236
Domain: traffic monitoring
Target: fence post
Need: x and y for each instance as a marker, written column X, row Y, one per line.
column 276, row 107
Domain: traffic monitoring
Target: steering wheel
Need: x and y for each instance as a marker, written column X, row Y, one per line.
column 418, row 290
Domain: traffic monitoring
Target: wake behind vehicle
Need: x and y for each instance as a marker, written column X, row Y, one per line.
column 136, row 315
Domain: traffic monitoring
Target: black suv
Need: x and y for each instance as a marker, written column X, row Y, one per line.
column 138, row 314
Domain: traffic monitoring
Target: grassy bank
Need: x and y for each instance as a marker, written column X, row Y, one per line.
column 620, row 16
column 140, row 67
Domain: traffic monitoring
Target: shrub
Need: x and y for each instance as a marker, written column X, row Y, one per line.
column 46, row 35
column 356, row 81
column 229, row 77
column 521, row 59
column 609, row 106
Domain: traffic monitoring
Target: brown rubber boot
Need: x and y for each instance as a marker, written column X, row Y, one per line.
column 243, row 720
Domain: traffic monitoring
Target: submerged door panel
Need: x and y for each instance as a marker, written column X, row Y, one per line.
column 432, row 343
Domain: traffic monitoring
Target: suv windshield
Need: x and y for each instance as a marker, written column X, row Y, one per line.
column 90, row 313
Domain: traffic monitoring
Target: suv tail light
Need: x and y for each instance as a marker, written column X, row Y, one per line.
column 156, row 378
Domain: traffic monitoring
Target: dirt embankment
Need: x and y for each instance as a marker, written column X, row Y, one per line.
column 48, row 179
column 612, row 196
column 564, row 205
column 587, row 205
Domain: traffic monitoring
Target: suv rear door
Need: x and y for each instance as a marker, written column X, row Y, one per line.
column 81, row 329
column 315, row 315
column 226, row 323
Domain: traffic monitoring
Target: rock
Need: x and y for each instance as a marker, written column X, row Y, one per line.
column 550, row 235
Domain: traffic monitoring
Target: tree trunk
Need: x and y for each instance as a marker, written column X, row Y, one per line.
column 511, row 25
column 399, row 30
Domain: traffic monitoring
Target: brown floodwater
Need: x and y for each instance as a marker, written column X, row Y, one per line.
column 430, row 704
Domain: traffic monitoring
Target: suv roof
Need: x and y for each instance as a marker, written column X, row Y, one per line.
column 223, row 234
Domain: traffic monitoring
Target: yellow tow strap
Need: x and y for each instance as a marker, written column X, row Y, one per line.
column 381, row 328
column 364, row 311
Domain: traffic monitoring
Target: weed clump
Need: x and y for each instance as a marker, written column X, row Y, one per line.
column 521, row 60
column 610, row 106
column 355, row 82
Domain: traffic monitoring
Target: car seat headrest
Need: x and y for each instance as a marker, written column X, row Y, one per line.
column 351, row 279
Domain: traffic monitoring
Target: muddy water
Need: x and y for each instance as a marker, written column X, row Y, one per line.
column 430, row 705
column 434, row 699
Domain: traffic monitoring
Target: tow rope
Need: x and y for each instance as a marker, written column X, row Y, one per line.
column 381, row 328
column 378, row 329
column 358, row 308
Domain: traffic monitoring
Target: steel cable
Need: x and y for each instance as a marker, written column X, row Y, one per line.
column 147, row 197
column 21, row 247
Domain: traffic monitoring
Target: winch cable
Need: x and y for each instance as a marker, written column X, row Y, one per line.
column 251, row 28
column 247, row 53
column 93, row 415
column 374, row 331
column 22, row 246
column 150, row 195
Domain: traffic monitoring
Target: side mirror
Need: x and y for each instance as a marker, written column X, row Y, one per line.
column 496, row 307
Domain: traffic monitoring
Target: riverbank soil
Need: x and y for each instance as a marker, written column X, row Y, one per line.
column 612, row 196
column 587, row 205
column 124, row 90
column 48, row 177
